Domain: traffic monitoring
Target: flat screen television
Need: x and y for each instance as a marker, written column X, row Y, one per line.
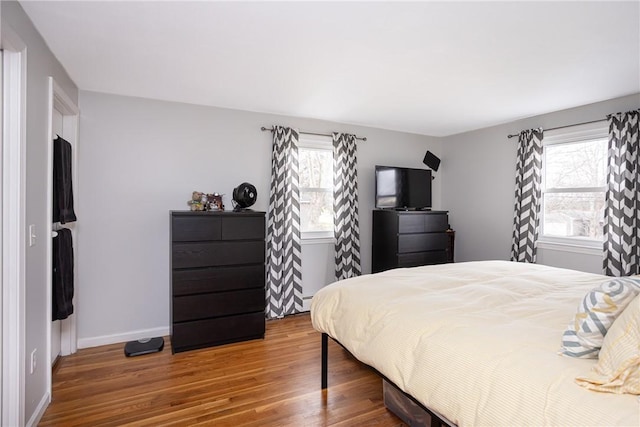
column 402, row 188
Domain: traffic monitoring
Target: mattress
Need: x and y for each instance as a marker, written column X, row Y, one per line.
column 476, row 342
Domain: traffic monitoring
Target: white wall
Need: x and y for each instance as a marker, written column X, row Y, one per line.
column 479, row 185
column 40, row 65
column 589, row 261
column 141, row 158
column 318, row 269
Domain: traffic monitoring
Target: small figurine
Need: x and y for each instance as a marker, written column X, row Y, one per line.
column 215, row 202
column 196, row 203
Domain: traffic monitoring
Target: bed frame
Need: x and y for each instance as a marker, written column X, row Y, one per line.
column 405, row 406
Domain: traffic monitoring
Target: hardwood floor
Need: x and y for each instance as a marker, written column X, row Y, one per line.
column 270, row 382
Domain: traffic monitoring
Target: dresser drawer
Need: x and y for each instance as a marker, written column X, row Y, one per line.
column 422, row 242
column 422, row 258
column 203, row 333
column 243, row 227
column 195, row 228
column 422, row 223
column 210, row 254
column 218, row 304
column 217, row 279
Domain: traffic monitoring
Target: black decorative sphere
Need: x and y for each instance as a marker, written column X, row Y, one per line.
column 244, row 195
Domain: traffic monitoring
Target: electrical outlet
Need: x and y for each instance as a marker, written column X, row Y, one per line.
column 34, row 360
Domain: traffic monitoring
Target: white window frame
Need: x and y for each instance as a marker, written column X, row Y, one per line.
column 324, row 143
column 574, row 134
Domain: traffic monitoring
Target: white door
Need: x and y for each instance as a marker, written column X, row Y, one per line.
column 13, row 232
column 1, row 226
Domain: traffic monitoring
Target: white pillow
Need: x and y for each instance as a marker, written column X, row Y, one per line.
column 596, row 313
column 618, row 370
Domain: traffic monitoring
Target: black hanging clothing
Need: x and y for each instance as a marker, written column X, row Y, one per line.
column 62, row 186
column 62, row 298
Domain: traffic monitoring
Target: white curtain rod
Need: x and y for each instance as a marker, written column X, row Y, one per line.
column 364, row 138
column 561, row 127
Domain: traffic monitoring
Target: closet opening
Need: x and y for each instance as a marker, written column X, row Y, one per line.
column 62, row 228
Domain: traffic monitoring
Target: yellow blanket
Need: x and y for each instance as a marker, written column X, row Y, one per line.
column 476, row 342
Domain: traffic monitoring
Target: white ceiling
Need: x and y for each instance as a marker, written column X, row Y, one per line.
column 433, row 68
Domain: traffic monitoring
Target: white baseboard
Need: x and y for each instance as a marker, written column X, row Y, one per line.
column 306, row 303
column 124, row 337
column 39, row 412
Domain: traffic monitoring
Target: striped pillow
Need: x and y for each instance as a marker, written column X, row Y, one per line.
column 596, row 313
column 618, row 370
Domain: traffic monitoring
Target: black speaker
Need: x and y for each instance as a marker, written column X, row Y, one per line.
column 431, row 160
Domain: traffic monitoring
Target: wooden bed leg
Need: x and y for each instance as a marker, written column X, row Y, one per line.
column 325, row 356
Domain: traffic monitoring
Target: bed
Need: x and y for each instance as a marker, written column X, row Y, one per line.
column 473, row 343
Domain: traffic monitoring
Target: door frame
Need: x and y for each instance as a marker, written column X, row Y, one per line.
column 60, row 101
column 14, row 67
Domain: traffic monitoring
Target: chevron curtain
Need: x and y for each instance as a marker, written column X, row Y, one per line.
column 345, row 206
column 284, row 272
column 622, row 210
column 526, row 215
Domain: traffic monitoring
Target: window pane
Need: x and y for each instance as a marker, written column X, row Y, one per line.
column 574, row 215
column 316, row 211
column 316, row 168
column 581, row 164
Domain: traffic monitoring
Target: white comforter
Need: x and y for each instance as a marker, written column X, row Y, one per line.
column 476, row 342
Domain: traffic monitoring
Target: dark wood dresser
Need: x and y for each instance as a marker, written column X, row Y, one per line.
column 410, row 239
column 217, row 278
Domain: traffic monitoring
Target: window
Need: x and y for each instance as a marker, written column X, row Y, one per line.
column 316, row 187
column 574, row 185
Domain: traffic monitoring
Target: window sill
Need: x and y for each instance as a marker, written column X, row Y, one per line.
column 316, row 240
column 586, row 248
